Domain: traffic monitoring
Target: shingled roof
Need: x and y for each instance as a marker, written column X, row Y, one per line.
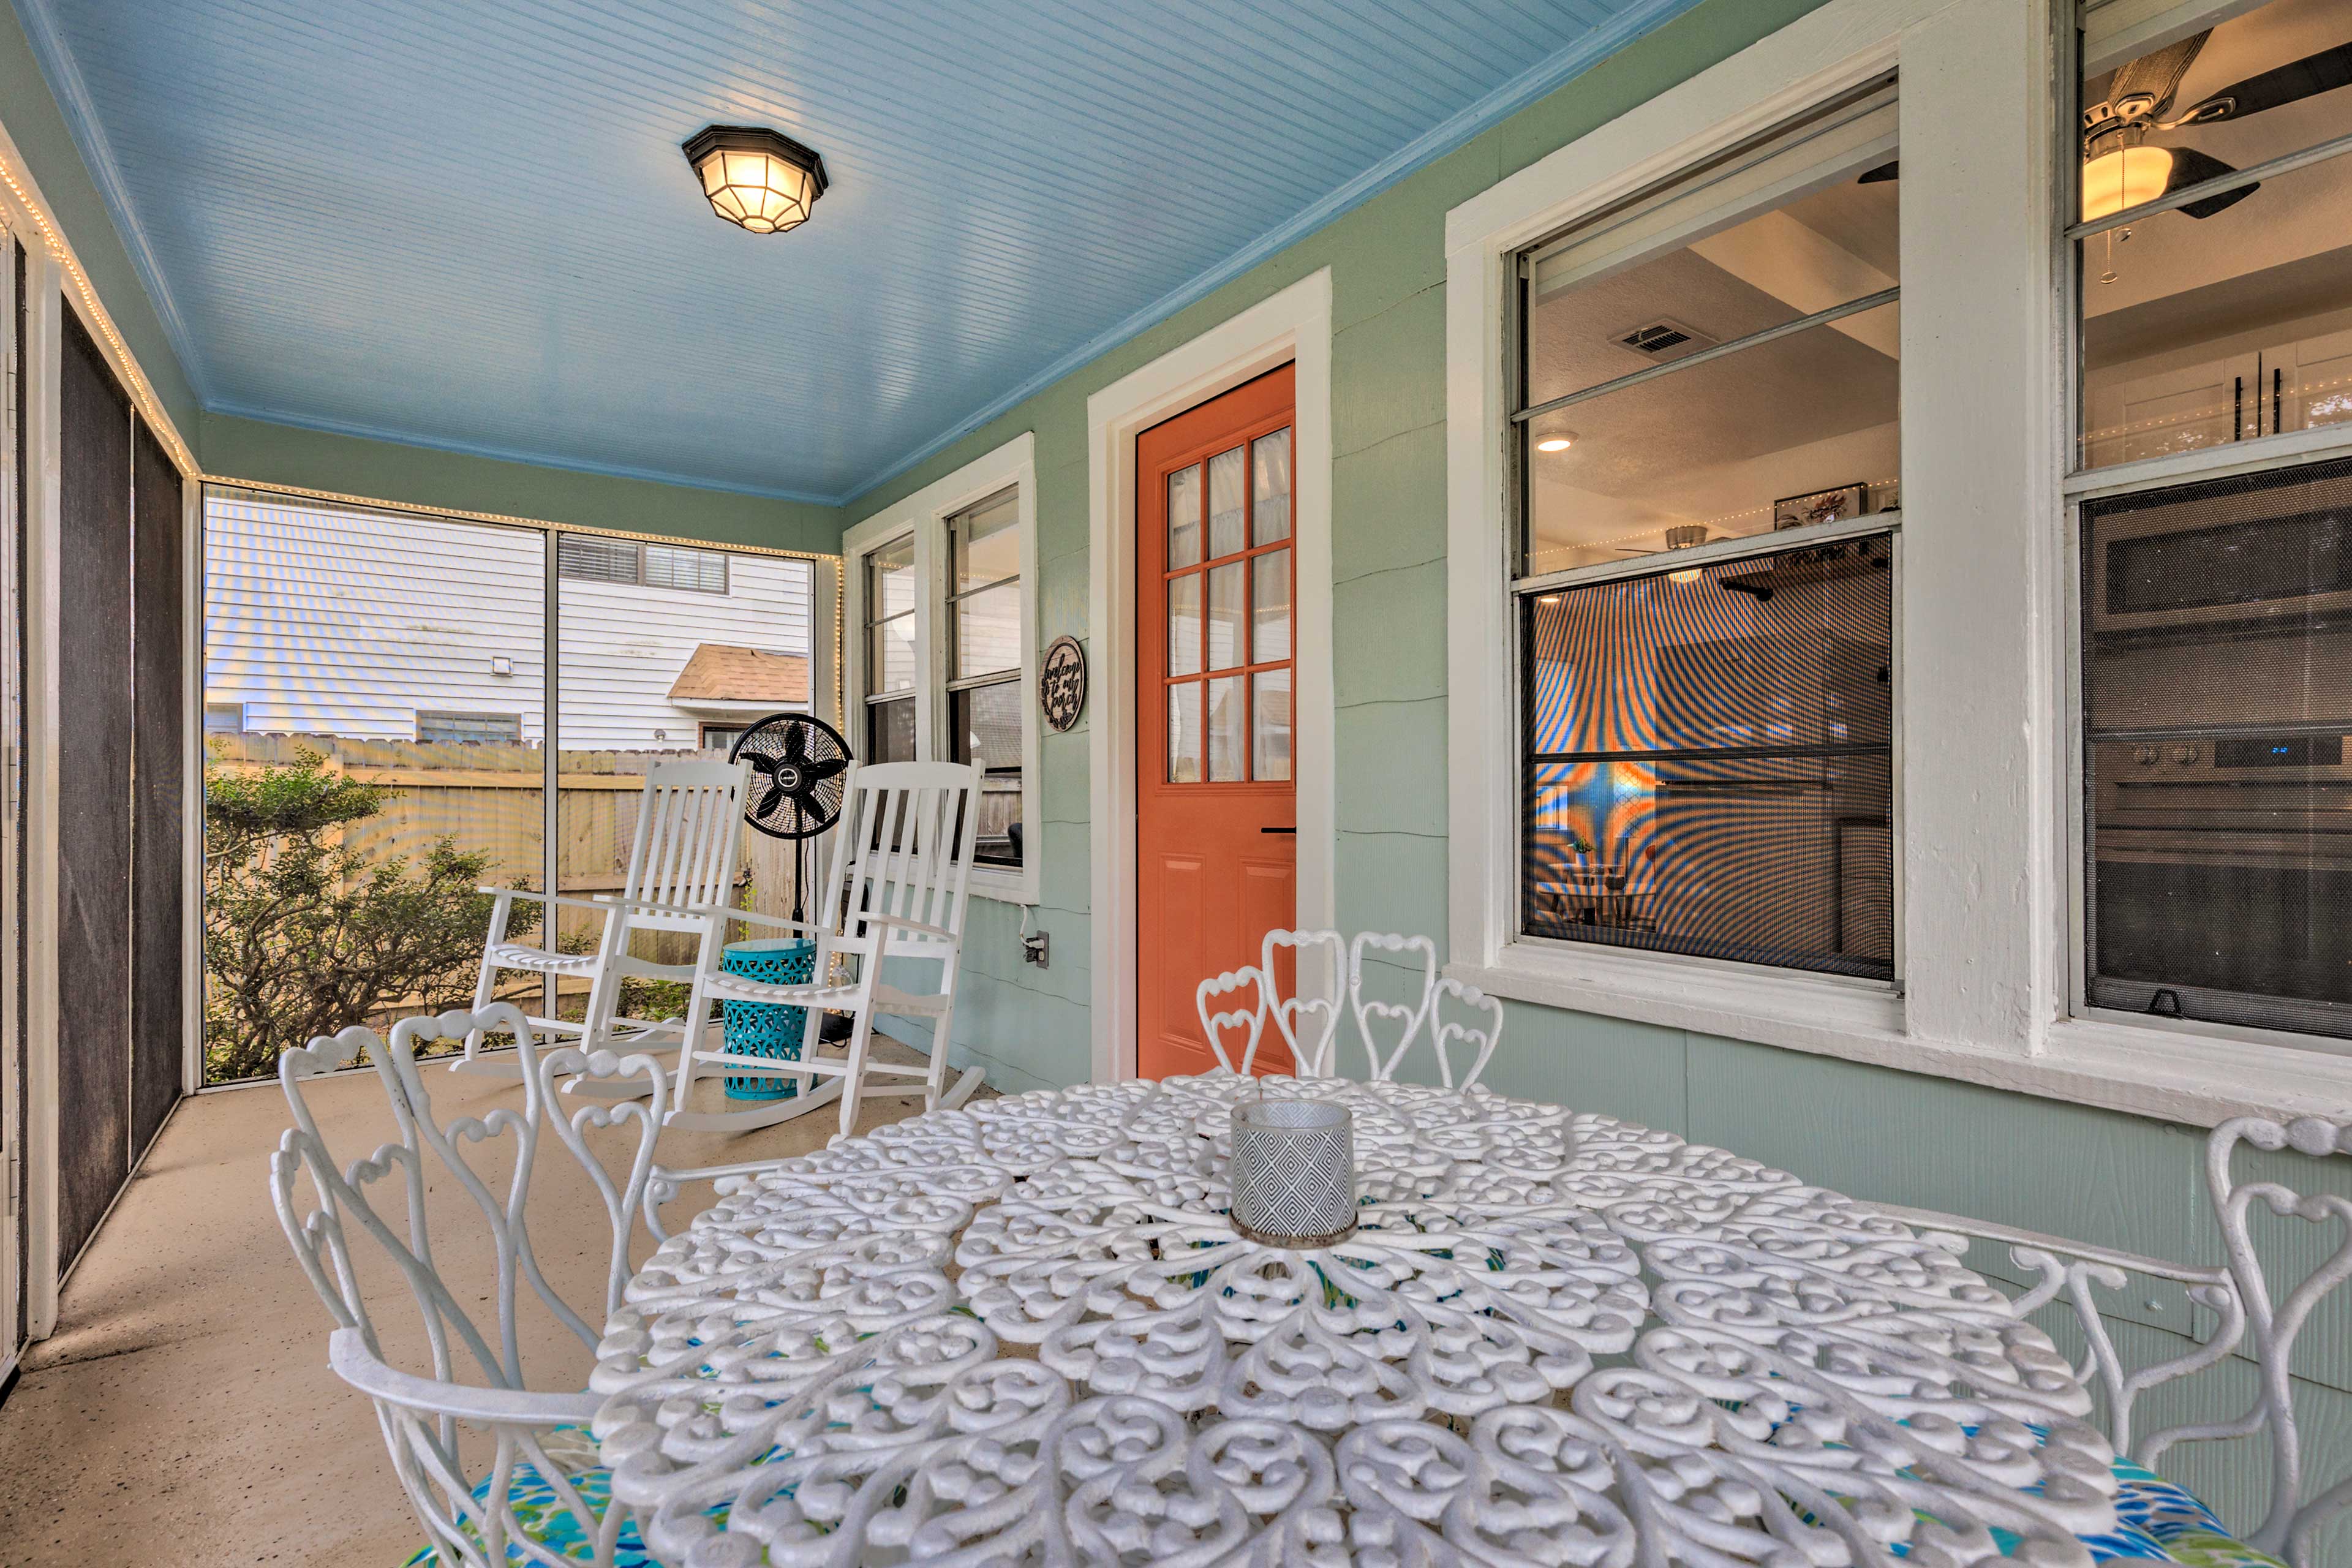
column 717, row 673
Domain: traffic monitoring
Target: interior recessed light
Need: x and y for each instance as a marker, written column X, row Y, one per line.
column 1556, row 443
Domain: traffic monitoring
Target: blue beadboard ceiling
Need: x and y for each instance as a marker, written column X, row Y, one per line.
column 467, row 224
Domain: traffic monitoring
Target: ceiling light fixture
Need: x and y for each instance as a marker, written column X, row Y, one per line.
column 2125, row 178
column 756, row 178
column 1686, row 536
column 1560, row 443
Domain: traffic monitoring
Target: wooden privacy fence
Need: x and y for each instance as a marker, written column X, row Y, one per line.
column 488, row 799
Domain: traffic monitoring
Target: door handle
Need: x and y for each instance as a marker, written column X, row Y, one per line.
column 1277, row 830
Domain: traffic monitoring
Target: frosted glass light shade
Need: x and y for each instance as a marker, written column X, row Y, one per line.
column 2124, row 178
column 758, row 179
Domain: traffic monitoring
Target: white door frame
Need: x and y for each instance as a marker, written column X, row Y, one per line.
column 1292, row 327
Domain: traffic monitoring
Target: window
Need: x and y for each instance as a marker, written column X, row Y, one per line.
column 436, row 729
column 591, row 558
column 1708, row 757
column 945, row 661
column 720, row 737
column 224, row 718
column 890, row 625
column 984, row 686
column 2214, row 300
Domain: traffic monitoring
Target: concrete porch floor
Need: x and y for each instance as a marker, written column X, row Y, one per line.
column 183, row 1413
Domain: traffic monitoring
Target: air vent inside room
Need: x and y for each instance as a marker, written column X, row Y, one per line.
column 1663, row 340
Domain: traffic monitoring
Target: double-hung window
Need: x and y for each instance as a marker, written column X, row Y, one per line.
column 1705, row 441
column 2213, row 235
column 943, row 585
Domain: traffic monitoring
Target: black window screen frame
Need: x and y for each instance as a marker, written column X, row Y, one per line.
column 1856, row 774
column 2179, row 921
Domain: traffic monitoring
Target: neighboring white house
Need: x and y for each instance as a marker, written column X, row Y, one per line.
column 322, row 619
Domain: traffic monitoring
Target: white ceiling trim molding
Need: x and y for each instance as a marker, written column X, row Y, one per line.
column 72, row 95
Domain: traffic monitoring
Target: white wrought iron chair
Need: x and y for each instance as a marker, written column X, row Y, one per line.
column 901, row 857
column 685, row 856
column 526, row 1471
column 1309, row 1025
column 2238, row 1293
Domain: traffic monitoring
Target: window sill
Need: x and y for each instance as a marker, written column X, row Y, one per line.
column 2171, row 1074
column 1003, row 884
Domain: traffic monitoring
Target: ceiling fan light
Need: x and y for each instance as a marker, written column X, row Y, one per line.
column 2125, row 178
column 755, row 178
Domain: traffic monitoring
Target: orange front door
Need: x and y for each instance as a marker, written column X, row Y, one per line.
column 1216, row 852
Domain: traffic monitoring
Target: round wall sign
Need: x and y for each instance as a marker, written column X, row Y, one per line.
column 1062, row 683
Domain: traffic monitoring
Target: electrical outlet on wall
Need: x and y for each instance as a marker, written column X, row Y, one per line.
column 1034, row 949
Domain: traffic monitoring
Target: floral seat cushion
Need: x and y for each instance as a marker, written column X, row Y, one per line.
column 539, row 1509
column 2156, row 1521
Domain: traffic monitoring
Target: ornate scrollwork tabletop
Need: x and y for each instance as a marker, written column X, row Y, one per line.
column 1025, row 1332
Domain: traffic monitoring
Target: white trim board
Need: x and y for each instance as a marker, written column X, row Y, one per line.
column 924, row 514
column 1982, row 651
column 1291, row 326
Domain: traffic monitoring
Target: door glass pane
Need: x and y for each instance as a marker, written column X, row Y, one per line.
column 1185, row 625
column 1184, row 518
column 1225, row 728
column 1270, row 724
column 1226, row 616
column 1184, row 734
column 987, row 545
column 328, row 900
column 988, row 631
column 1270, row 606
column 642, row 670
column 1270, row 507
column 1225, row 503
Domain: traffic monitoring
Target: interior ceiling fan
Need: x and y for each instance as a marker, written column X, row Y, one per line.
column 2120, row 170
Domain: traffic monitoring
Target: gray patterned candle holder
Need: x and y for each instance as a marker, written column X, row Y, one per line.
column 1294, row 1171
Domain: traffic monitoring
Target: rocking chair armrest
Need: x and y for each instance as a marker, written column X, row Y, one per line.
column 347, row 1354
column 593, row 906
column 649, row 907
column 898, row 923
column 752, row 917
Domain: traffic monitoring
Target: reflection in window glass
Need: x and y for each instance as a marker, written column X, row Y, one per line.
column 984, row 707
column 2229, row 319
column 1711, row 440
column 986, row 722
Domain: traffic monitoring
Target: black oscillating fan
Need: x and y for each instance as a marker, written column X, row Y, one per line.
column 799, row 773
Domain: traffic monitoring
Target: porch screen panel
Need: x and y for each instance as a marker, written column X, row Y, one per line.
column 160, row 773
column 667, row 667
column 345, row 830
column 1709, row 762
column 94, row 818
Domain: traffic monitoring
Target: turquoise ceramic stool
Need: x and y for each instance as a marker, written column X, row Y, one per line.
column 764, row 1028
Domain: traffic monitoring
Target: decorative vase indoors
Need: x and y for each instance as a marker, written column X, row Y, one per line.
column 1294, row 1171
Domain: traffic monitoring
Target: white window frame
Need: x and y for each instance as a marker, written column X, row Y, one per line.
column 925, row 515
column 1987, row 775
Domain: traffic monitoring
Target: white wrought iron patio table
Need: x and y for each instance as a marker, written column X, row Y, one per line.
column 1024, row 1332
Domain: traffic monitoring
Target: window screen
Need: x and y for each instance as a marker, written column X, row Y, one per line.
column 1709, row 763
column 2217, row 694
column 984, row 688
column 587, row 559
column 695, row 571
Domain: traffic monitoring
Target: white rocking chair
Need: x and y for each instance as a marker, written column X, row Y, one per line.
column 1309, row 1025
column 901, row 856
column 687, row 850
